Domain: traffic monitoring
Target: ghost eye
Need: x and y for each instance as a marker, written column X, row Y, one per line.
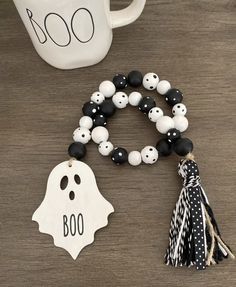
column 64, row 183
column 77, row 179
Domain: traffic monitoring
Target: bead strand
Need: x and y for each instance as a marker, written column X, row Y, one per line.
column 103, row 104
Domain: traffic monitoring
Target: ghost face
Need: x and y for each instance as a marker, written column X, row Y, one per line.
column 73, row 208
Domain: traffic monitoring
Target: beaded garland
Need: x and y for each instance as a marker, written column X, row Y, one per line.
column 194, row 237
column 110, row 97
column 74, row 209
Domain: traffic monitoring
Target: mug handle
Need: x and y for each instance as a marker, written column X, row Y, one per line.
column 127, row 15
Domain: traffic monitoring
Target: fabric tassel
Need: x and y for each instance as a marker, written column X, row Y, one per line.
column 194, row 237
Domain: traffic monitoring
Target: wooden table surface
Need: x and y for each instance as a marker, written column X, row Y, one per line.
column 190, row 43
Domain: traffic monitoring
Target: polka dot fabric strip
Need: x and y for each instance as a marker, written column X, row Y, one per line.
column 198, row 227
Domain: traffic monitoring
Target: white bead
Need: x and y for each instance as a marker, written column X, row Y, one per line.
column 82, row 135
column 150, row 81
column 135, row 98
column 154, row 114
column 164, row 124
column 86, row 122
column 98, row 98
column 135, row 158
column 181, row 123
column 163, row 87
column 100, row 134
column 179, row 110
column 105, row 148
column 107, row 88
column 120, row 100
column 149, row 155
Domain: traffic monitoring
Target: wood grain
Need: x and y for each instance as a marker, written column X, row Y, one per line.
column 190, row 43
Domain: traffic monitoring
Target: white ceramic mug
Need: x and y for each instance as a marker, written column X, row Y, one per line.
column 70, row 34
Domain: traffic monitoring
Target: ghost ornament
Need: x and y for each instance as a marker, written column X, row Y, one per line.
column 73, row 208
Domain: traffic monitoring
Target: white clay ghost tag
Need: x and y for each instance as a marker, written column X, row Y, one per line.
column 73, row 208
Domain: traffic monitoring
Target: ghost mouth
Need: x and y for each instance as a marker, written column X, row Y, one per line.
column 72, row 195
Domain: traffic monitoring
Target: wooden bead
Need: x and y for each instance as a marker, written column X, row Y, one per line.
column 107, row 88
column 90, row 109
column 99, row 120
column 164, row 148
column 82, row 135
column 146, row 104
column 119, row 156
column 100, row 134
column 120, row 100
column 77, row 150
column 173, row 135
column 164, row 124
column 183, row 146
column 98, row 98
column 154, row 114
column 173, row 97
column 105, row 148
column 150, row 81
column 86, row 122
column 181, row 123
column 179, row 110
column 149, row 155
column 163, row 87
column 135, row 98
column 107, row 108
column 134, row 158
column 120, row 81
column 135, row 79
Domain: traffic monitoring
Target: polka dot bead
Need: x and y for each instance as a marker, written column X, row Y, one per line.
column 120, row 100
column 97, row 98
column 107, row 88
column 82, row 135
column 150, row 81
column 109, row 98
column 149, row 155
column 154, row 114
column 105, row 148
column 179, row 110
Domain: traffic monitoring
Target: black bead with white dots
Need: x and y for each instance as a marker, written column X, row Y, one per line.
column 173, row 135
column 99, row 120
column 173, row 97
column 146, row 104
column 120, row 81
column 119, row 156
column 90, row 109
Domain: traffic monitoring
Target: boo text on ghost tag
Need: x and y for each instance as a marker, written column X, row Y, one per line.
column 54, row 22
column 73, row 224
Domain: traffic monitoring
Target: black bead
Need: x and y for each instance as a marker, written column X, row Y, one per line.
column 77, row 150
column 183, row 146
column 135, row 79
column 173, row 135
column 164, row 148
column 119, row 155
column 173, row 97
column 146, row 104
column 120, row 81
column 90, row 109
column 99, row 120
column 107, row 108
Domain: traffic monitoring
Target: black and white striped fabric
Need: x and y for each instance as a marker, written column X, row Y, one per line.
column 189, row 237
